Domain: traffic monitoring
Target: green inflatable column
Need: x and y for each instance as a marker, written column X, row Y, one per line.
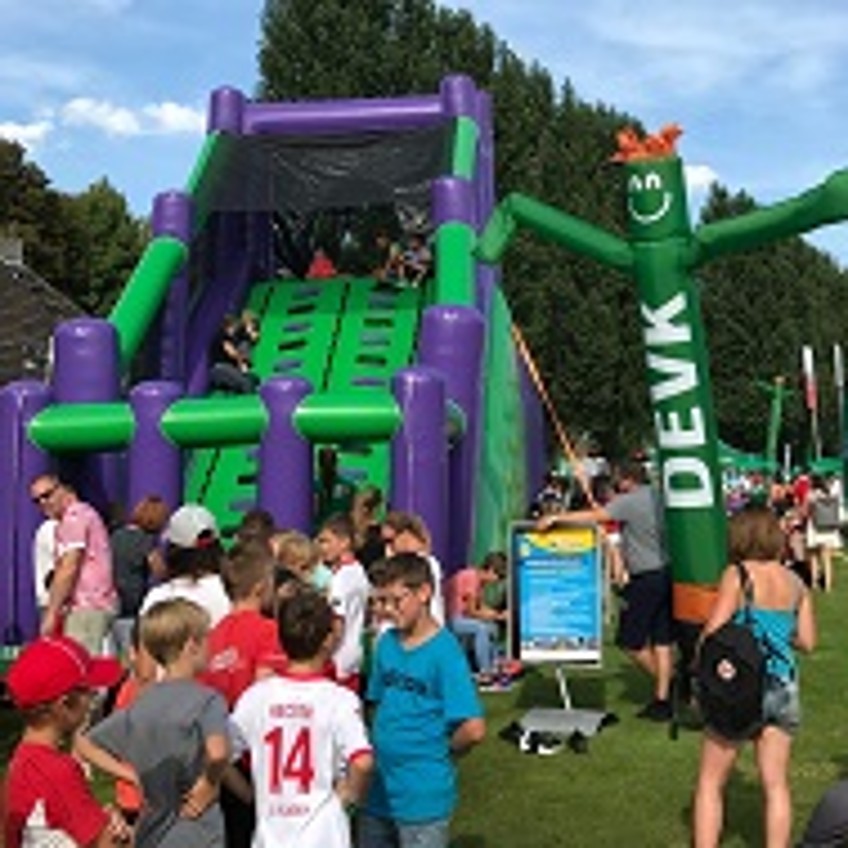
column 679, row 381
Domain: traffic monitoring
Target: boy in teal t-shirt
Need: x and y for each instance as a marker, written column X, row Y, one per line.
column 427, row 710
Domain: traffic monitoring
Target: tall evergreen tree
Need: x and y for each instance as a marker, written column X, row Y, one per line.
column 580, row 320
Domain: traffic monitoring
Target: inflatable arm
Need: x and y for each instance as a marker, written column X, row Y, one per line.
column 571, row 232
column 825, row 204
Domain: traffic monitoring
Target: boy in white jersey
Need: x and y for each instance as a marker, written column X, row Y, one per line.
column 309, row 752
column 348, row 591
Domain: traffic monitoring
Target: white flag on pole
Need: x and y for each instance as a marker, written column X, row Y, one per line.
column 808, row 369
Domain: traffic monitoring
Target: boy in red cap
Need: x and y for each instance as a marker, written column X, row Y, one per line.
column 48, row 800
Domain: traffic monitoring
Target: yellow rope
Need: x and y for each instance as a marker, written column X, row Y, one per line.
column 564, row 442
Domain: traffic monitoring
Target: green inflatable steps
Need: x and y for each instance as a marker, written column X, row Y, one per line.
column 377, row 334
column 342, row 335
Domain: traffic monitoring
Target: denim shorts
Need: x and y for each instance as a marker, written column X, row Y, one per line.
column 782, row 704
column 374, row 832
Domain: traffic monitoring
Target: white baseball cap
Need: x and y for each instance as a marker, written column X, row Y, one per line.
column 190, row 526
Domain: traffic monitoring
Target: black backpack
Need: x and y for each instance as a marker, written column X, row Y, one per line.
column 731, row 675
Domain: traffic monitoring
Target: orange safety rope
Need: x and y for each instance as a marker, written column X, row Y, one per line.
column 562, row 437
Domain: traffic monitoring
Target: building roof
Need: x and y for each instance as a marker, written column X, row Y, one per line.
column 31, row 308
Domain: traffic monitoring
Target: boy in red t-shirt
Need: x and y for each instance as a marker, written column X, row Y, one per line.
column 48, row 800
column 243, row 647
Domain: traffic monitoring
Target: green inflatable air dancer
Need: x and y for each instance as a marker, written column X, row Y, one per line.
column 662, row 254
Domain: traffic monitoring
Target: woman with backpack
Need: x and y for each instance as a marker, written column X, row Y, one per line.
column 824, row 519
column 760, row 593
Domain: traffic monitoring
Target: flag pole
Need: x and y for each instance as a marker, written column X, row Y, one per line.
column 839, row 381
column 808, row 369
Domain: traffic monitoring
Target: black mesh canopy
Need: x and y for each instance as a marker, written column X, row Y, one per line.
column 305, row 175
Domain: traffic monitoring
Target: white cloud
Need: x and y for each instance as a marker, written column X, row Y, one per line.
column 27, row 135
column 638, row 55
column 100, row 114
column 165, row 118
column 699, row 177
column 170, row 117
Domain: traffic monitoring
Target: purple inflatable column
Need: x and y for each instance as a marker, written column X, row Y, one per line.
column 459, row 95
column 86, row 370
column 451, row 342
column 86, row 361
column 285, row 457
column 487, row 275
column 20, row 462
column 225, row 285
column 226, row 111
column 419, row 452
column 172, row 217
column 155, row 466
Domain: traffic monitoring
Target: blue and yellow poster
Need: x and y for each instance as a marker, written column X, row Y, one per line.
column 556, row 590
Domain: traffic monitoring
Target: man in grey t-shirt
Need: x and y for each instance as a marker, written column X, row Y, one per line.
column 645, row 617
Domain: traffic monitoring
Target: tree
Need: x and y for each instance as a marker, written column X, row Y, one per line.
column 104, row 245
column 84, row 245
column 580, row 320
column 760, row 307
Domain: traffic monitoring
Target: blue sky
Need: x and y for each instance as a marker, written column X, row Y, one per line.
column 118, row 88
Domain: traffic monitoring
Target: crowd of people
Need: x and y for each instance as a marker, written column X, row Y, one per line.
column 222, row 687
column 782, row 537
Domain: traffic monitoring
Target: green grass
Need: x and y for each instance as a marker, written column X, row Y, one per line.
column 634, row 785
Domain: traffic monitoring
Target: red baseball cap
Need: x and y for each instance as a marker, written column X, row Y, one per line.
column 54, row 666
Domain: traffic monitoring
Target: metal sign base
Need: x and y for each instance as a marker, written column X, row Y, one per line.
column 565, row 721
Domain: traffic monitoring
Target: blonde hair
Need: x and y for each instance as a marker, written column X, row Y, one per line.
column 167, row 627
column 293, row 550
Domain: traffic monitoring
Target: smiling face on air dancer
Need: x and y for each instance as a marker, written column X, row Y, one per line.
column 656, row 189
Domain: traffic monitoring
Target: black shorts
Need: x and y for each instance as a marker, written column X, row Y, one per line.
column 644, row 616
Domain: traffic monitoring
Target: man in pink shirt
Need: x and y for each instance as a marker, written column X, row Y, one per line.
column 82, row 599
column 468, row 615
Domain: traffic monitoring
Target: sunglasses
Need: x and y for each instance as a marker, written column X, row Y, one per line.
column 41, row 497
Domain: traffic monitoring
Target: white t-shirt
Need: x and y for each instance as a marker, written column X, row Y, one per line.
column 437, row 602
column 44, row 558
column 207, row 592
column 348, row 594
column 301, row 731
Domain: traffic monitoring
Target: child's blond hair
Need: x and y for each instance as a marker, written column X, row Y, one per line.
column 168, row 626
column 295, row 551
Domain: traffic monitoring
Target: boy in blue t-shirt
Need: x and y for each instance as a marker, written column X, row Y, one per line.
column 427, row 711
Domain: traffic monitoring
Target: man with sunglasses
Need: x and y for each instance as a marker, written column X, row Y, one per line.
column 82, row 599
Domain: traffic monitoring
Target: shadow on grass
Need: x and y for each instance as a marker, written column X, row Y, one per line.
column 635, row 684
column 469, row 841
column 540, row 689
column 743, row 811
